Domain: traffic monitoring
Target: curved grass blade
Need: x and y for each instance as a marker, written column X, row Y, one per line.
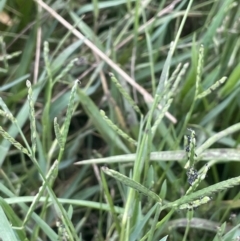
column 129, row 182
column 6, row 231
column 230, row 130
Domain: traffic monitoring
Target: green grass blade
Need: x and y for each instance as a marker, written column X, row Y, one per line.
column 131, row 183
column 6, row 231
column 92, row 111
column 216, row 137
column 110, row 202
column 153, row 226
column 51, row 176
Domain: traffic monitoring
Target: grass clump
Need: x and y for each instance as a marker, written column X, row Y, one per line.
column 93, row 145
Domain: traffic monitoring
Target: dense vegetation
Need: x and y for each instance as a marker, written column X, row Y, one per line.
column 119, row 120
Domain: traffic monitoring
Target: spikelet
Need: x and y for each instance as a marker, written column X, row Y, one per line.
column 32, row 118
column 125, row 94
column 117, row 129
column 13, row 141
column 58, row 133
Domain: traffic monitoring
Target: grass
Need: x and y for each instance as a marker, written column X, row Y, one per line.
column 96, row 99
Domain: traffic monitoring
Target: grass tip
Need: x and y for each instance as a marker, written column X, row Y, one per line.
column 104, row 168
column 28, row 83
column 102, row 112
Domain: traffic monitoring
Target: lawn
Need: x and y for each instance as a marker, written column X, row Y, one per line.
column 119, row 120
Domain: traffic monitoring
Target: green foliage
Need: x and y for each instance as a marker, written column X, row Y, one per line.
column 118, row 85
